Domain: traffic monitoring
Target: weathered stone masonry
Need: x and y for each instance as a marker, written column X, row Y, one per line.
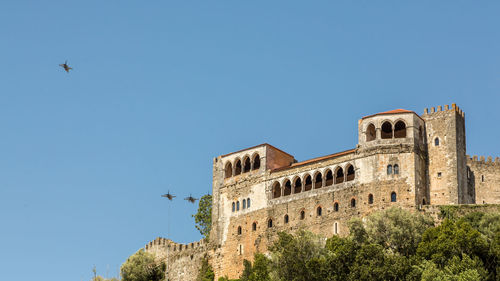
column 401, row 159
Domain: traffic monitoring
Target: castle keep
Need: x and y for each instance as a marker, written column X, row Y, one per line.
column 401, row 159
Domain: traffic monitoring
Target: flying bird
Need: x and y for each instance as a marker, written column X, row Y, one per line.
column 169, row 196
column 191, row 199
column 66, row 66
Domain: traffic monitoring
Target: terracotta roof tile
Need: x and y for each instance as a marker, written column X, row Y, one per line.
column 395, row 111
column 315, row 160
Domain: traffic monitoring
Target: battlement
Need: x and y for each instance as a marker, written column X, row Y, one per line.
column 161, row 242
column 445, row 108
column 483, row 159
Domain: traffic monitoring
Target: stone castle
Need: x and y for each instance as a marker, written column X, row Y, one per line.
column 401, row 159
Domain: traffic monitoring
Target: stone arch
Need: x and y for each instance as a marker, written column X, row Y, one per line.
column 339, row 175
column 350, row 172
column 370, row 198
column 328, row 177
column 307, row 182
column 353, row 202
column 386, row 132
column 394, row 197
column 297, row 185
column 276, row 190
column 318, row 180
column 247, row 165
column 371, row 133
column 237, row 167
column 255, row 162
column 400, row 129
column 228, row 171
column 287, row 188
column 336, row 206
column 319, row 211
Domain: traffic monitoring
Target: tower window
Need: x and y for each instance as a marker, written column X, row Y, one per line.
column 244, row 203
column 286, row 219
column 370, row 132
column 436, row 141
column 239, row 230
column 353, row 203
column 389, row 169
column 256, row 162
column 234, row 207
column 423, row 201
column 270, row 223
column 400, row 130
column 302, row 215
column 335, row 228
column 336, row 207
column 248, row 202
column 370, row 198
column 318, row 211
column 482, row 178
column 386, row 130
column 439, row 175
column 237, row 205
column 396, row 169
column 254, row 226
column 350, row 173
column 393, row 196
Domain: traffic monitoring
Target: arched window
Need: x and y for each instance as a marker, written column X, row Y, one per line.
column 237, row 167
column 318, row 211
column 247, row 165
column 318, row 180
column 229, row 170
column 386, row 130
column 234, row 207
column 370, row 132
column 248, row 202
column 436, row 141
column 350, row 173
column 237, row 205
column 297, row 186
column 389, row 169
column 393, row 196
column 244, row 203
column 353, row 203
column 329, row 178
column 288, row 188
column 254, row 226
column 339, row 175
column 396, row 169
column 285, row 219
column 423, row 201
column 239, row 230
column 308, row 183
column 270, row 223
column 256, row 162
column 302, row 215
column 400, row 130
column 336, row 207
column 370, row 198
column 276, row 190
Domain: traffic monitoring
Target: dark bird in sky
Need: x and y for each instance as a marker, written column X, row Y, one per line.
column 191, row 199
column 169, row 196
column 66, row 66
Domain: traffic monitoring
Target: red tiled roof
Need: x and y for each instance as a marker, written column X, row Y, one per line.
column 395, row 111
column 315, row 160
column 263, row 144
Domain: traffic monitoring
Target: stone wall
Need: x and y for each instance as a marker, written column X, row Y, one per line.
column 484, row 179
column 183, row 260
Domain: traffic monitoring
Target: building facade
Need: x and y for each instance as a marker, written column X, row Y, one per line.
column 401, row 159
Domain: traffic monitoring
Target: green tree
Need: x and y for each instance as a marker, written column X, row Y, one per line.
column 142, row 266
column 395, row 229
column 206, row 272
column 456, row 269
column 259, row 271
column 203, row 218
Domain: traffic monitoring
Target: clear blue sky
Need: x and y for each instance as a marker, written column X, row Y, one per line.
column 159, row 88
